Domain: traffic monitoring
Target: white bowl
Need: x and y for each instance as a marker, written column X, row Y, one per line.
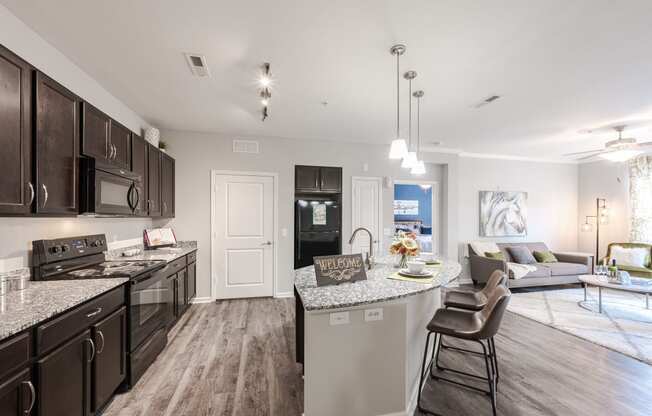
column 416, row 266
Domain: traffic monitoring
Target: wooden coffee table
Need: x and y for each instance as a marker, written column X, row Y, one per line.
column 602, row 282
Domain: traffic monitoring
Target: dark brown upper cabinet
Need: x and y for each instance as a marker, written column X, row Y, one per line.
column 96, row 142
column 121, row 144
column 330, row 180
column 139, row 154
column 318, row 179
column 16, row 186
column 57, row 148
column 153, row 181
column 104, row 139
column 167, row 186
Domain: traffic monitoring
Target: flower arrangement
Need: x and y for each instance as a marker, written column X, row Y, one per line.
column 404, row 245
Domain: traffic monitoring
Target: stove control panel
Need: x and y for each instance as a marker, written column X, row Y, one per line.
column 49, row 251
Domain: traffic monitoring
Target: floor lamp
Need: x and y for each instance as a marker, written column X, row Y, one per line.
column 601, row 218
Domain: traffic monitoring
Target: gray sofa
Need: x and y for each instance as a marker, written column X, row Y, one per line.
column 566, row 271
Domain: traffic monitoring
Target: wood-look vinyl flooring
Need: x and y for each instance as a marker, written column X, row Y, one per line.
column 237, row 358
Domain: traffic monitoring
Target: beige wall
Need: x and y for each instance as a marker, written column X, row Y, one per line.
column 552, row 190
column 16, row 234
column 24, row 42
column 197, row 154
column 552, row 198
column 610, row 181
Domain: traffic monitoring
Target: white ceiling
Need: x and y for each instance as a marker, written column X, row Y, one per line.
column 560, row 65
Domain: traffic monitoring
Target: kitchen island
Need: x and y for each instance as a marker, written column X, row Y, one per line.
column 361, row 343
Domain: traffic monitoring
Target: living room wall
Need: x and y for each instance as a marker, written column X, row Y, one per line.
column 552, row 202
column 610, row 181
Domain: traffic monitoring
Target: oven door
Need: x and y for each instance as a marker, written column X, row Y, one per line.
column 148, row 307
column 116, row 195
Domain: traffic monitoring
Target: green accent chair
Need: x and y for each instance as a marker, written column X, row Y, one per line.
column 635, row 271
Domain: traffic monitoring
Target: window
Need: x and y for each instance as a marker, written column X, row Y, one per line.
column 640, row 199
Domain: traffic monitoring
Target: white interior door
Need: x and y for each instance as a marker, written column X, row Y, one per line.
column 367, row 203
column 243, row 235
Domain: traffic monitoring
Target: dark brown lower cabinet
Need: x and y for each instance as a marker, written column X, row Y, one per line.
column 64, row 378
column 181, row 289
column 17, row 395
column 192, row 281
column 109, row 366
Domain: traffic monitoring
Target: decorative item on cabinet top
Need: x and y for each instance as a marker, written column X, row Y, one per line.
column 153, row 136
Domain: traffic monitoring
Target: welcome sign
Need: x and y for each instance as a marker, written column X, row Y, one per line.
column 333, row 270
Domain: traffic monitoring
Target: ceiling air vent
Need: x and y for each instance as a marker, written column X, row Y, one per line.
column 486, row 101
column 197, row 64
column 246, row 146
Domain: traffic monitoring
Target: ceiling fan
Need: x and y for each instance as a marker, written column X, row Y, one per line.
column 618, row 150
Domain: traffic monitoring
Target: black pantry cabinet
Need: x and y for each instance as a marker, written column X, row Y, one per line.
column 318, row 179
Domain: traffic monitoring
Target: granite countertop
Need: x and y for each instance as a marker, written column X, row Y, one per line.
column 20, row 310
column 182, row 248
column 377, row 287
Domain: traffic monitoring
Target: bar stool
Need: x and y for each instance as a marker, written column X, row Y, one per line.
column 480, row 327
column 475, row 301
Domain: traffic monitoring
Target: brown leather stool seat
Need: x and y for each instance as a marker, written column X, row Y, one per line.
column 479, row 327
column 475, row 301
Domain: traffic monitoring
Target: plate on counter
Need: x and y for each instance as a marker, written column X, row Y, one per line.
column 423, row 274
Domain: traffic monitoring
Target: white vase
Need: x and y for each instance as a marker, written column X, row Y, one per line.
column 153, row 136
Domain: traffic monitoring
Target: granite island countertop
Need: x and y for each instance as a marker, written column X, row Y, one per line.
column 182, row 248
column 42, row 300
column 377, row 287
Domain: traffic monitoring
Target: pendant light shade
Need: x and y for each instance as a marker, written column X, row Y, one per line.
column 409, row 160
column 419, row 168
column 399, row 148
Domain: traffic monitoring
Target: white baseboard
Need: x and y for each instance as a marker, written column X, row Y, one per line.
column 205, row 299
column 284, row 295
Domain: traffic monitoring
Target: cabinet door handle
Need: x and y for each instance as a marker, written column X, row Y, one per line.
column 115, row 152
column 101, row 335
column 165, row 206
column 95, row 312
column 45, row 194
column 32, row 397
column 90, row 341
column 31, row 192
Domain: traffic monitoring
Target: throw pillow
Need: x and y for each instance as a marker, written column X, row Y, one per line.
column 521, row 255
column 497, row 255
column 628, row 256
column 545, row 257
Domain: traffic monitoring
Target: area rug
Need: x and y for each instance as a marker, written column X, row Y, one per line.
column 624, row 325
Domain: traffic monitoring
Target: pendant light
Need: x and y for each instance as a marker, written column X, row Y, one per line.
column 419, row 168
column 399, row 148
column 411, row 158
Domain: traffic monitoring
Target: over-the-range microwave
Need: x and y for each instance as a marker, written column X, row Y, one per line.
column 109, row 191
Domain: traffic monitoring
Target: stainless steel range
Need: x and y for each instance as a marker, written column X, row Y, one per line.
column 148, row 297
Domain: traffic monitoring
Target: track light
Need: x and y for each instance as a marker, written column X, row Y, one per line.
column 265, row 92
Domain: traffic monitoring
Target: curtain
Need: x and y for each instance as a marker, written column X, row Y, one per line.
column 640, row 199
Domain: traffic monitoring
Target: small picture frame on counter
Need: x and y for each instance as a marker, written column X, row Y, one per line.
column 334, row 270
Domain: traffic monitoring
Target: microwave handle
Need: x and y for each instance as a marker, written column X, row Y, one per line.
column 130, row 197
column 137, row 197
